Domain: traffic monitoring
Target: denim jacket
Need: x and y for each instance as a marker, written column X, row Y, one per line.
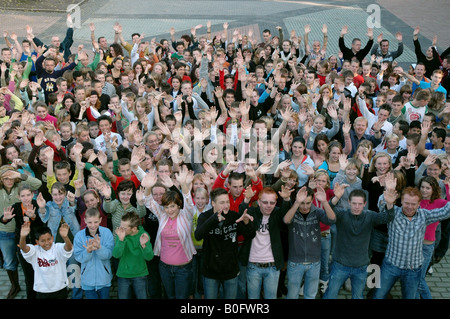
column 53, row 217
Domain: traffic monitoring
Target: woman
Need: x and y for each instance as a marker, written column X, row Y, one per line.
column 10, row 182
column 115, row 69
column 431, row 199
column 331, row 163
column 301, row 162
column 115, row 50
column 174, row 244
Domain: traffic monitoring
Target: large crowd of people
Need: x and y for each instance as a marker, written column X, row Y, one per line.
column 217, row 166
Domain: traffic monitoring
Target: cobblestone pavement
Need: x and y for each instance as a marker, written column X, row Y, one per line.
column 155, row 18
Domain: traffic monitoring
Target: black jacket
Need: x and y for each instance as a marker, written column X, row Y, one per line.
column 275, row 225
column 220, row 243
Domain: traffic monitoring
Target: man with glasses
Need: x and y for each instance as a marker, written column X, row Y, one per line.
column 263, row 254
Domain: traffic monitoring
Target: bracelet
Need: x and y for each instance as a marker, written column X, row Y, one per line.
column 107, row 199
column 376, row 132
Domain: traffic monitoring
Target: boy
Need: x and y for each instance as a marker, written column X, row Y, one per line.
column 48, row 260
column 133, row 249
column 59, row 172
column 93, row 130
column 93, row 247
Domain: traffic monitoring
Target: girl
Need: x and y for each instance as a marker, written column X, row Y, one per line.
column 21, row 212
column 174, row 242
column 123, row 204
column 10, row 182
column 431, row 199
column 88, row 199
column 331, row 163
column 301, row 162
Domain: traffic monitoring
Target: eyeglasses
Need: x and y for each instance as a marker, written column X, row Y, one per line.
column 268, row 203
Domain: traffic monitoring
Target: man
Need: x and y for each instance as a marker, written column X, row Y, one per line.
column 431, row 58
column 303, row 220
column 219, row 228
column 383, row 51
column 236, row 184
column 354, row 228
column 263, row 254
column 358, row 134
column 355, row 51
column 61, row 47
column 47, row 75
column 404, row 256
column 267, row 38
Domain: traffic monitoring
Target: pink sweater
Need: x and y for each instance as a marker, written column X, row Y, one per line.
column 430, row 232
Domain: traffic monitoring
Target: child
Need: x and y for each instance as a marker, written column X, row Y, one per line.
column 93, row 130
column 122, row 205
column 133, row 249
column 93, row 248
column 21, row 212
column 59, row 172
column 65, row 129
column 48, row 260
column 53, row 213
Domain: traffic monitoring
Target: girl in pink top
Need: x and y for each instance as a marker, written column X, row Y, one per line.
column 173, row 242
column 431, row 193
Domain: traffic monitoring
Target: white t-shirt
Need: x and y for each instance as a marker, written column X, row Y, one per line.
column 413, row 113
column 261, row 248
column 50, row 273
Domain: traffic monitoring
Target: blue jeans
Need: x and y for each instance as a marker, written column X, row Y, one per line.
column 8, row 247
column 211, row 286
column 333, row 232
column 197, row 277
column 74, row 277
column 177, row 280
column 338, row 276
column 325, row 257
column 102, row 293
column 139, row 285
column 295, row 273
column 424, row 291
column 409, row 279
column 257, row 276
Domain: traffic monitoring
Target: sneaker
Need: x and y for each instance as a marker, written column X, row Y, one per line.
column 430, row 271
column 348, row 285
column 323, row 285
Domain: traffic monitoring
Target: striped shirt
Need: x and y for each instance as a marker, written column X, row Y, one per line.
column 404, row 249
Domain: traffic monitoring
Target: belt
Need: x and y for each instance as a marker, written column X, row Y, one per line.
column 264, row 265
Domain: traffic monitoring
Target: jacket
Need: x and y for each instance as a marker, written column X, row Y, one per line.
column 53, row 215
column 275, row 224
column 133, row 258
column 305, row 236
column 220, row 244
column 95, row 266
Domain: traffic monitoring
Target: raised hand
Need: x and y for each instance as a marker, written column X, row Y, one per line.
column 144, row 239
column 40, row 201
column 390, row 196
column 249, row 193
column 245, row 217
column 285, row 192
column 339, row 189
column 149, row 180
column 64, row 230
column 301, row 196
column 8, row 213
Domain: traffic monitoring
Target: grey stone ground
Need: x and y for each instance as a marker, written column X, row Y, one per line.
column 155, row 18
